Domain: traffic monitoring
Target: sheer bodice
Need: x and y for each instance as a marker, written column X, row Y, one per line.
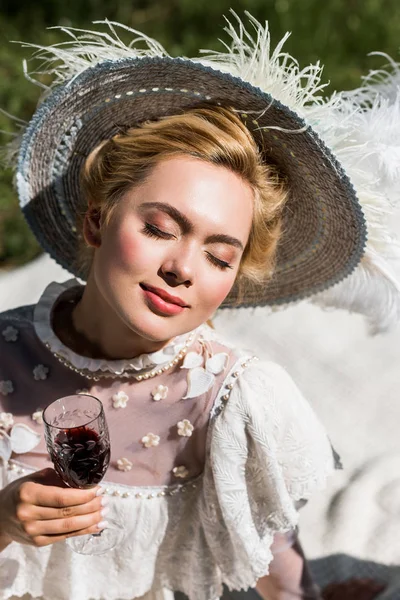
column 209, row 456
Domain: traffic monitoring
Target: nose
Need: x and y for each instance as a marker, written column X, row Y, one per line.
column 178, row 268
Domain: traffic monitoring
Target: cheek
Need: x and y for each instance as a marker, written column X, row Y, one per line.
column 217, row 290
column 128, row 247
column 128, row 250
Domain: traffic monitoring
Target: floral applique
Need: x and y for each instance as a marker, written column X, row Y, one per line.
column 38, row 416
column 10, row 334
column 123, row 464
column 160, row 393
column 181, row 472
column 6, row 387
column 6, row 420
column 40, row 372
column 150, row 440
column 185, row 428
column 120, row 400
column 21, row 439
column 200, row 379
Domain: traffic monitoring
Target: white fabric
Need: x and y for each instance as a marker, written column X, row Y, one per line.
column 265, row 449
column 352, row 382
column 219, row 531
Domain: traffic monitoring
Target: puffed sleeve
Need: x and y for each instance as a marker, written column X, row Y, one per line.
column 268, row 450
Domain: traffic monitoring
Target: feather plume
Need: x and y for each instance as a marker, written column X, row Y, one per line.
column 66, row 60
column 364, row 133
column 372, row 290
column 250, row 57
column 361, row 127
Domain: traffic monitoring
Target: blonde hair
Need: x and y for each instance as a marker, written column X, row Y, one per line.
column 212, row 134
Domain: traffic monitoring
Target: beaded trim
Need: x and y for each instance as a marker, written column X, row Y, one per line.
column 162, row 491
column 172, row 491
column 228, row 386
column 12, row 466
column 127, row 374
column 219, row 404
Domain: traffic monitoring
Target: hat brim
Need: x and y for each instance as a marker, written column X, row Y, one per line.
column 324, row 231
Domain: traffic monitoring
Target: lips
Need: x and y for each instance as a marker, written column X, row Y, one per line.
column 164, row 295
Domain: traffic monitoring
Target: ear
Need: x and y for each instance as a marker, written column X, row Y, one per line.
column 92, row 228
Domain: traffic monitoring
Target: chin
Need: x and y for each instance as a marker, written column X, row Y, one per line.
column 155, row 328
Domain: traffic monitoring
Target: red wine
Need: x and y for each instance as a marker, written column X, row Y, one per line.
column 80, row 456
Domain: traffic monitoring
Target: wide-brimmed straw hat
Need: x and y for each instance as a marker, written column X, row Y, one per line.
column 103, row 87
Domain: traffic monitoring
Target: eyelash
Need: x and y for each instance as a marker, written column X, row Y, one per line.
column 221, row 264
column 154, row 232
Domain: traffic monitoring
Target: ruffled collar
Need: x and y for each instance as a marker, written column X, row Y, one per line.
column 139, row 365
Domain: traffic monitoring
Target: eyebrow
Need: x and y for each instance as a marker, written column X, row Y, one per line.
column 222, row 238
column 187, row 226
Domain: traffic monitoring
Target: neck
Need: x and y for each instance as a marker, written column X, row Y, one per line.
column 93, row 329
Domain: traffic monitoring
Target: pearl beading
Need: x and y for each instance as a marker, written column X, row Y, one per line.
column 16, row 468
column 232, row 378
column 179, row 489
column 235, row 375
column 116, row 493
column 128, row 374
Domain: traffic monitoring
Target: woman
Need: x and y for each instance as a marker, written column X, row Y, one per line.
column 173, row 190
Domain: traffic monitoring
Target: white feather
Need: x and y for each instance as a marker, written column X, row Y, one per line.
column 364, row 132
column 251, row 58
column 372, row 290
column 86, row 48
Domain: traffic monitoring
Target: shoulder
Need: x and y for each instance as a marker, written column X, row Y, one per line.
column 258, row 388
column 265, row 393
column 269, row 431
column 267, row 385
column 22, row 316
column 267, row 410
column 254, row 384
column 16, row 326
column 19, row 343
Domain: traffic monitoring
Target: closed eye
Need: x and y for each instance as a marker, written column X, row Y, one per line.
column 152, row 231
column 217, row 262
column 155, row 232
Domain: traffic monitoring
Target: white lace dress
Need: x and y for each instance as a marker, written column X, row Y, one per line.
column 208, row 458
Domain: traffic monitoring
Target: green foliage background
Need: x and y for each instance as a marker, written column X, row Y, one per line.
column 339, row 33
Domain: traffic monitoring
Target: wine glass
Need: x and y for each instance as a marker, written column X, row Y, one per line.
column 78, row 442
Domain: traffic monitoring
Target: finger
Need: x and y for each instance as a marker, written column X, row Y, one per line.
column 29, row 512
column 47, row 476
column 62, row 526
column 54, row 496
column 45, row 540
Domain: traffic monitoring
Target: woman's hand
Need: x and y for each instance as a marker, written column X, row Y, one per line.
column 39, row 510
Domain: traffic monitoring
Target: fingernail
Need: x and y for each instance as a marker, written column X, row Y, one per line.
column 104, row 512
column 105, row 501
column 102, row 525
column 100, row 491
